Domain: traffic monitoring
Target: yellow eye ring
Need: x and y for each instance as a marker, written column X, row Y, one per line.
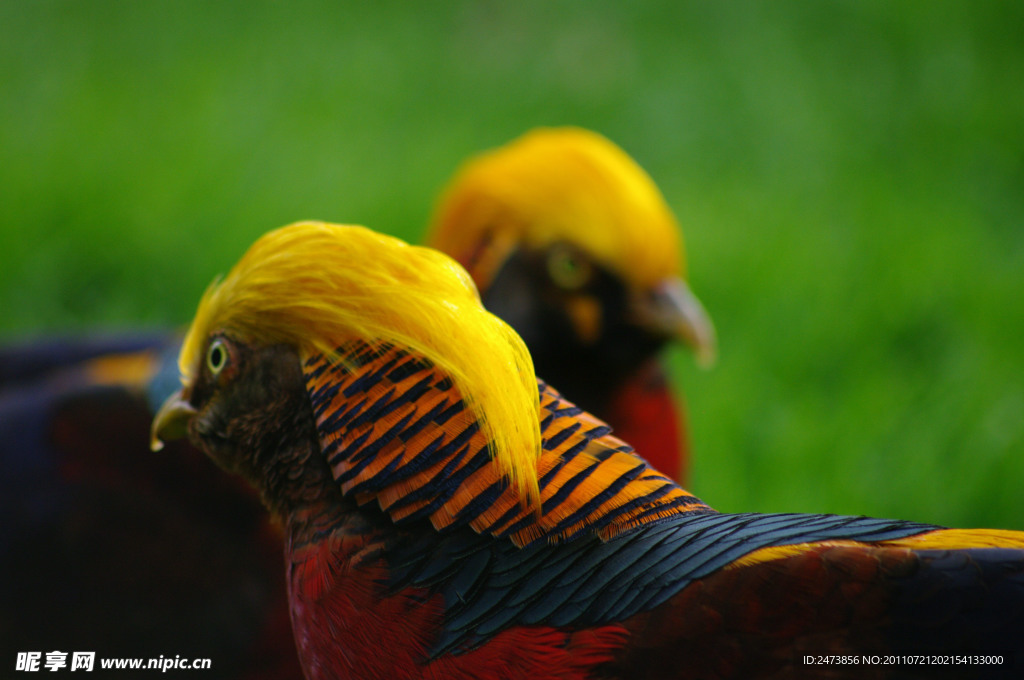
column 567, row 269
column 217, row 356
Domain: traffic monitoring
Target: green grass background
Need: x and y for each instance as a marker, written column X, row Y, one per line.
column 849, row 175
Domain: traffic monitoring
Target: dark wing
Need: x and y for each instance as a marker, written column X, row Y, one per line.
column 35, row 358
column 489, row 585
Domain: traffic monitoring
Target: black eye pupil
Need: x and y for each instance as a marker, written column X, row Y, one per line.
column 216, row 357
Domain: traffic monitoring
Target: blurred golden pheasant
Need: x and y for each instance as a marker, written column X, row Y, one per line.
column 106, row 548
column 572, row 244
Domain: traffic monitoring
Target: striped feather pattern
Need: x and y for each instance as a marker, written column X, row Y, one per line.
column 396, row 435
column 394, row 430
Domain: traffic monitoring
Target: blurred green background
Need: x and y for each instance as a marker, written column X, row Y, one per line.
column 849, row 175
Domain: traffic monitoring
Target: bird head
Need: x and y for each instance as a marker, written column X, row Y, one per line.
column 311, row 290
column 572, row 243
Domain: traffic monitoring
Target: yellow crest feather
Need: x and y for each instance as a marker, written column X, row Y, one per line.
column 318, row 286
column 556, row 184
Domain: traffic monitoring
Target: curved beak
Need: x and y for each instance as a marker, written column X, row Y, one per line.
column 171, row 421
column 671, row 309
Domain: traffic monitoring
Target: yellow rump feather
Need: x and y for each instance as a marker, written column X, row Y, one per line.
column 939, row 539
column 319, row 286
column 561, row 184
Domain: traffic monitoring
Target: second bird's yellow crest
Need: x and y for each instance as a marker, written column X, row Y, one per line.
column 561, row 184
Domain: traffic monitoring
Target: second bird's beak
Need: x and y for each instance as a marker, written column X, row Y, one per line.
column 671, row 309
column 171, row 421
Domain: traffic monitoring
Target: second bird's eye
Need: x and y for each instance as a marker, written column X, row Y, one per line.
column 216, row 356
column 567, row 269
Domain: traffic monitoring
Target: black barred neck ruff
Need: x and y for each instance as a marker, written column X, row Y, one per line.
column 396, row 433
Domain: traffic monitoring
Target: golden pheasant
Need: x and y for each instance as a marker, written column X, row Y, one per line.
column 447, row 515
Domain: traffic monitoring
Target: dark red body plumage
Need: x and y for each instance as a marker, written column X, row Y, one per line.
column 645, row 412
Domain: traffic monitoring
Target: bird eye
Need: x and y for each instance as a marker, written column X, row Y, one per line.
column 567, row 269
column 216, row 356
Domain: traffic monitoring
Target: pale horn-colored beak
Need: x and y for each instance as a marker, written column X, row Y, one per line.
column 171, row 421
column 671, row 309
